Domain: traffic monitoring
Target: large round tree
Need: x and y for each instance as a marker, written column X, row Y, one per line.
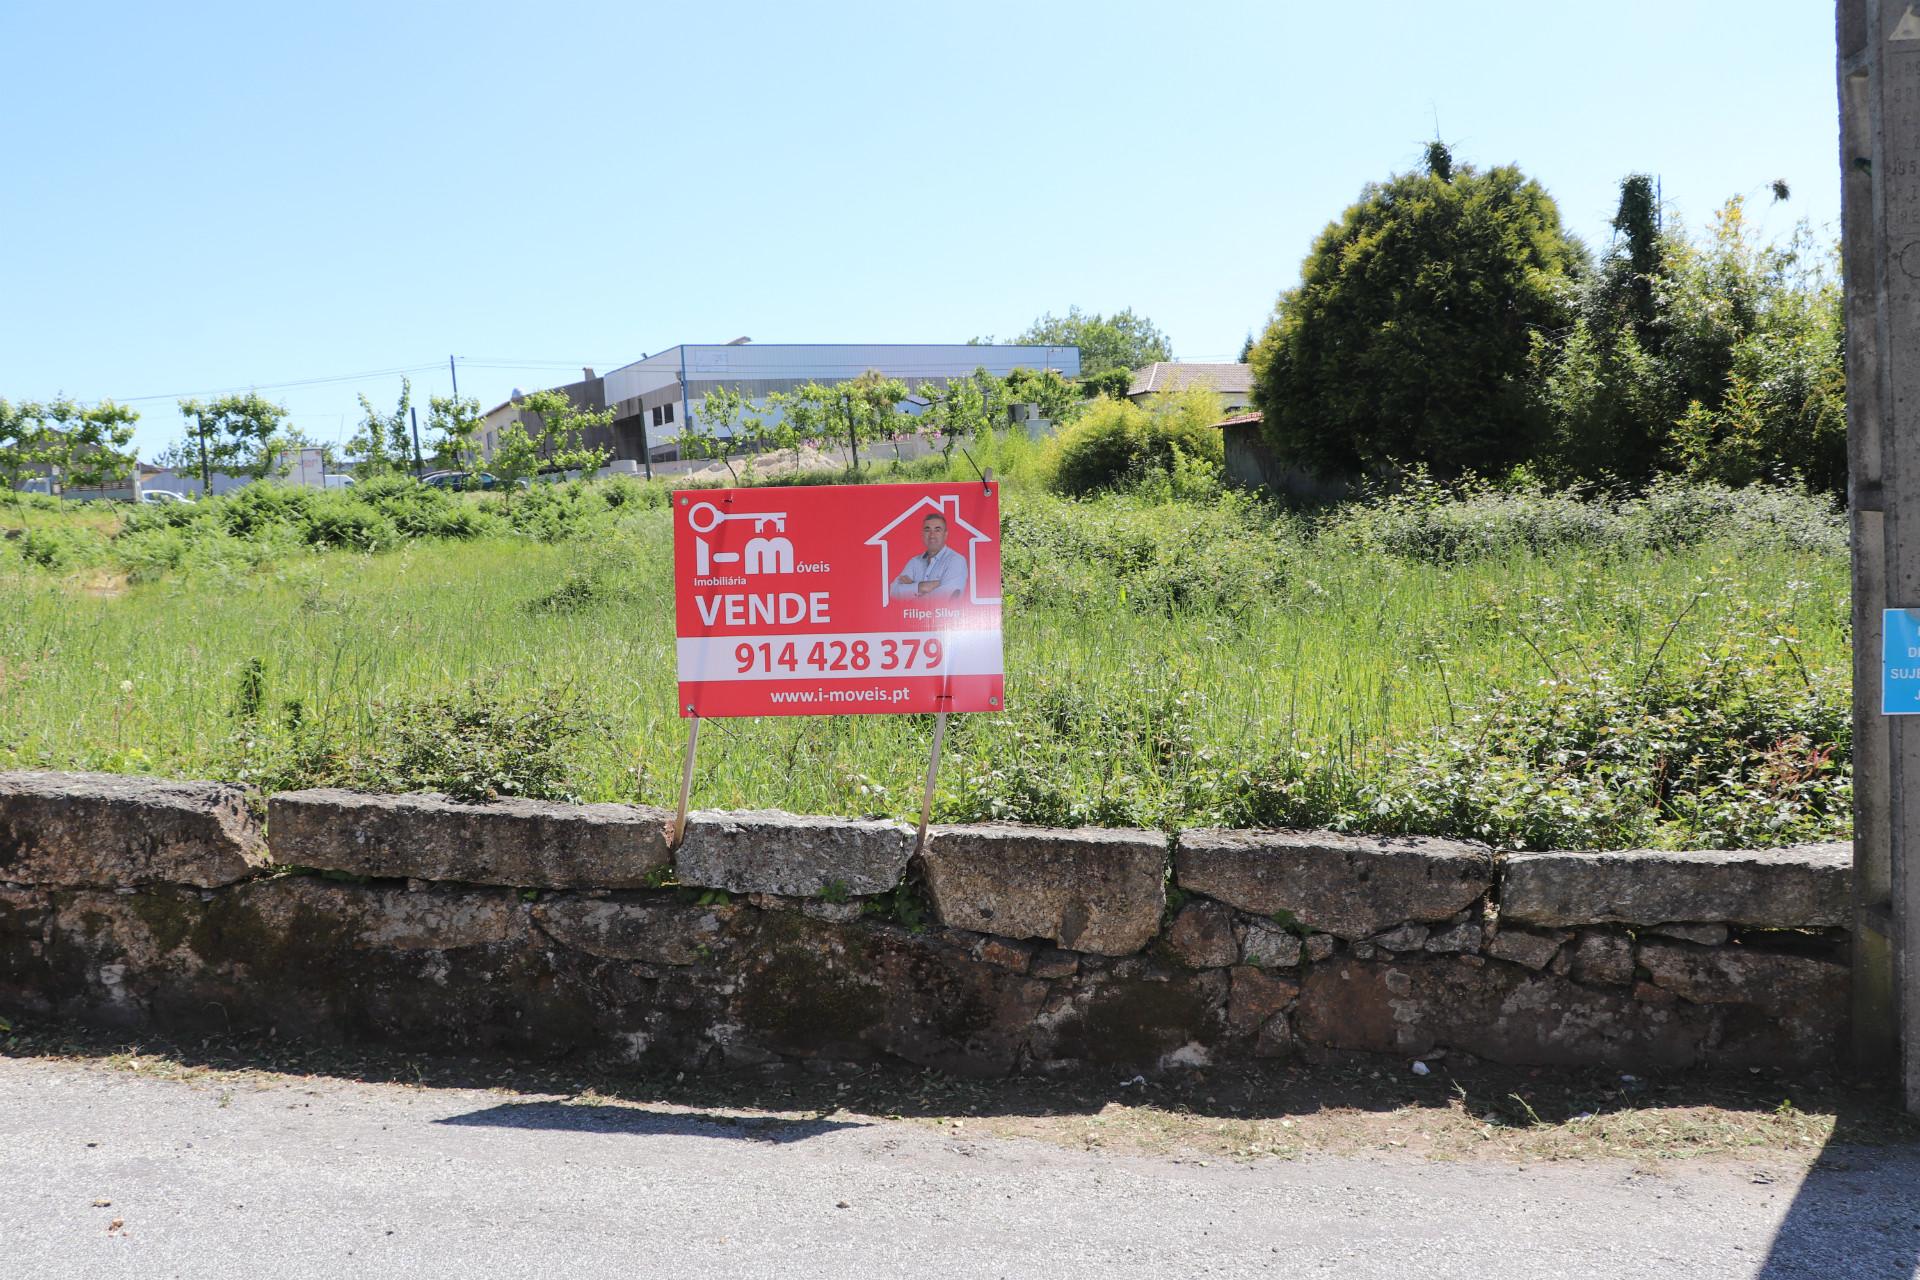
column 1407, row 339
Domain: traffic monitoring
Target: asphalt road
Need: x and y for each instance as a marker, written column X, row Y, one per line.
column 107, row 1173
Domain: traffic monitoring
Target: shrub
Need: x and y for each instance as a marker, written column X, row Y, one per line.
column 1675, row 513
column 1145, row 552
column 1440, row 524
column 1721, row 754
column 619, row 491
column 1407, row 340
column 1116, row 443
column 44, row 547
column 1445, row 523
column 475, row 745
column 417, row 510
column 545, row 513
column 472, row 744
column 577, row 590
column 247, row 511
column 350, row 525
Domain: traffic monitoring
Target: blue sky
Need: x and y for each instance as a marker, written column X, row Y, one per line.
column 211, row 196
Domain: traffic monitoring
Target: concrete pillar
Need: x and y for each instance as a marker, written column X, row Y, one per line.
column 1879, row 84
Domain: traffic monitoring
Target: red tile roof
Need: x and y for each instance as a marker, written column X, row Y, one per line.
column 1241, row 420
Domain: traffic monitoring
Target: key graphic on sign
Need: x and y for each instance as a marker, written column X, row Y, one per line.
column 761, row 555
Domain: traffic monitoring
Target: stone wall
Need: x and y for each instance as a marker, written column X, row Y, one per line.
column 418, row 922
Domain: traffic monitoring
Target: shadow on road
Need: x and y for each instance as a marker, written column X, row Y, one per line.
column 1855, row 1213
column 575, row 1117
column 1453, row 1105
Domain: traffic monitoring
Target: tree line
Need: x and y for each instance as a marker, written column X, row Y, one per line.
column 871, row 410
column 1448, row 321
column 250, row 436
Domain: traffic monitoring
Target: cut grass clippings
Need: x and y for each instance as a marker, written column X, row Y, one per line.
column 1346, row 1105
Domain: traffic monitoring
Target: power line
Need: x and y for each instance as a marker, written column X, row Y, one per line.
column 283, row 386
column 346, row 377
column 748, row 371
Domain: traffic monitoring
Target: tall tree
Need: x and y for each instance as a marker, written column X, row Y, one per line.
column 87, row 447
column 96, row 446
column 1409, row 337
column 24, row 441
column 796, row 417
column 1122, row 340
column 381, row 443
column 872, row 401
column 1046, row 390
column 1633, row 266
column 453, row 423
column 234, row 434
column 548, row 433
column 1608, row 395
column 1753, row 336
column 723, row 425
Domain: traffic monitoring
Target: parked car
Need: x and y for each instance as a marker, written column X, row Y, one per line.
column 461, row 479
column 336, row 482
column 160, row 497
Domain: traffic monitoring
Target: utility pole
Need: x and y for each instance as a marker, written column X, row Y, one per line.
column 853, row 435
column 418, row 466
column 1879, row 84
column 206, row 470
column 456, row 377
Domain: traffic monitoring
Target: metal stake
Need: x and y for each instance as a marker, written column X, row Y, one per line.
column 686, row 781
column 933, row 771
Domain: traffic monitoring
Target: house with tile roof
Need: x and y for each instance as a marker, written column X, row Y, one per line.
column 1232, row 383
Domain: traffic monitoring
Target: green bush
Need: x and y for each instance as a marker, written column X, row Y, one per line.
column 1441, row 524
column 350, row 525
column 1677, row 513
column 1719, row 754
column 48, row 548
column 475, row 745
column 577, row 590
column 1145, row 552
column 256, row 507
column 472, row 744
column 1408, row 339
column 417, row 510
column 1116, row 443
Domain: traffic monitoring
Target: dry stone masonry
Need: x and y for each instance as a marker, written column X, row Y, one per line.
column 73, row 829
column 551, row 929
column 532, row 844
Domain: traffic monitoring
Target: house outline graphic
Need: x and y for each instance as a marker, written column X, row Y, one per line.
column 947, row 505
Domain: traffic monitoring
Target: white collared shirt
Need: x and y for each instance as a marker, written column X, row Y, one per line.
column 946, row 567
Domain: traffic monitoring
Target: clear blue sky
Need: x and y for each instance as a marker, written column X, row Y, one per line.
column 210, row 196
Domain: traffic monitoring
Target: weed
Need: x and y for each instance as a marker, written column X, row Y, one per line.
column 250, row 691
column 1528, row 668
column 901, row 905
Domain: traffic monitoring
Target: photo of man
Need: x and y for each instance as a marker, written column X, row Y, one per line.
column 937, row 575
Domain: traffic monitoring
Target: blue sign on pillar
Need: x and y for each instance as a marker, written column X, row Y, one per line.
column 1900, row 663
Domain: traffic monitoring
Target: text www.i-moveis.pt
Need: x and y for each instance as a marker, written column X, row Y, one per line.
column 843, row 695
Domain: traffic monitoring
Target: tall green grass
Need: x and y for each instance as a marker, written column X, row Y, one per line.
column 1168, row 662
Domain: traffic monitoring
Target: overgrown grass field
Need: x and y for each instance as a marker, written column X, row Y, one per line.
column 1529, row 668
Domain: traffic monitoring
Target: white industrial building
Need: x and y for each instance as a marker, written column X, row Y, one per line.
column 654, row 397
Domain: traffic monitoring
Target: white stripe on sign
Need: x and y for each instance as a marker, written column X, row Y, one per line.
column 858, row 655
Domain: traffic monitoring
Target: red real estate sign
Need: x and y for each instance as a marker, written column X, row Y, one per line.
column 838, row 599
